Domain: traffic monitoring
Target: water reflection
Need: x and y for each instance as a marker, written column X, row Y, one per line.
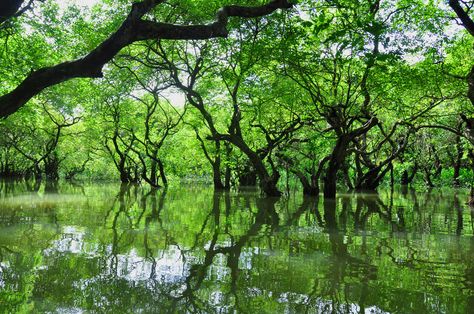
column 130, row 248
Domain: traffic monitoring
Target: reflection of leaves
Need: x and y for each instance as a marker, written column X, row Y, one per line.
column 251, row 254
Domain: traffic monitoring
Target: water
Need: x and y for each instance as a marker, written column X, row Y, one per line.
column 72, row 249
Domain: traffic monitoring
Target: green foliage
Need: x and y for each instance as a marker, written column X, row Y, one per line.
column 403, row 62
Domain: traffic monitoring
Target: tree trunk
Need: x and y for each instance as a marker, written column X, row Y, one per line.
column 228, row 174
column 457, row 170
column 471, row 197
column 372, row 179
column 153, row 172
column 38, row 174
column 392, row 177
column 248, row 176
column 162, row 173
column 9, row 8
column 347, row 178
column 428, row 180
column 406, row 178
column 309, row 188
column 457, row 162
column 369, row 181
column 124, row 174
column 470, row 82
column 268, row 183
column 51, row 167
column 438, row 166
column 336, row 161
column 51, row 186
column 227, row 178
column 216, row 176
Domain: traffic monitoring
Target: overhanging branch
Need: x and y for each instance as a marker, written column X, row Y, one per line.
column 132, row 29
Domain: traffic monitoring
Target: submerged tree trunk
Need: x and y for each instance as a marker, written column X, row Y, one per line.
column 336, row 161
column 248, row 176
column 347, row 177
column 372, row 179
column 471, row 198
column 216, row 160
column 457, row 162
column 311, row 184
column 428, row 180
column 339, row 153
column 268, row 183
column 162, row 173
column 216, row 176
column 406, row 178
column 153, row 171
column 51, row 167
column 309, row 188
column 227, row 178
column 123, row 171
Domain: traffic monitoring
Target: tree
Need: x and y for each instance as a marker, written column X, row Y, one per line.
column 235, row 77
column 184, row 71
column 36, row 141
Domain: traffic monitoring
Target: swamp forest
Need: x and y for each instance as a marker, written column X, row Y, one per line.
column 236, row 156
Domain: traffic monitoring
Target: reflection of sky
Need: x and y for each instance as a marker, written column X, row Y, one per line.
column 2, row 280
column 168, row 268
column 218, row 271
column 72, row 241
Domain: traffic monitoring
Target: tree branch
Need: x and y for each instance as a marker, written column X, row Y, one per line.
column 466, row 20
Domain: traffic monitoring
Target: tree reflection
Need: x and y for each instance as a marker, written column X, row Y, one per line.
column 139, row 249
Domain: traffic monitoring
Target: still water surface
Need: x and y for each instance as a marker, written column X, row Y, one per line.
column 106, row 248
